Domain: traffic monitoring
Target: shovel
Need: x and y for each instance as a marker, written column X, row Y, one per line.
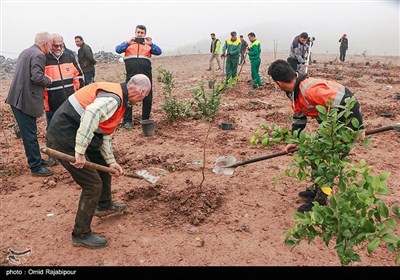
column 226, row 165
column 141, row 174
column 241, row 66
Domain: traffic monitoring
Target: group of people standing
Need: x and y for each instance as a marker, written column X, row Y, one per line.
column 235, row 49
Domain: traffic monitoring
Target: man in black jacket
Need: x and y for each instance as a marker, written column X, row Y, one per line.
column 86, row 60
column 344, row 45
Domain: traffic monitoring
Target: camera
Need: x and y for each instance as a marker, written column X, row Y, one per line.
column 140, row 40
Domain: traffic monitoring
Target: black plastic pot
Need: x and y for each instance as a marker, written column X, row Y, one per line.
column 226, row 125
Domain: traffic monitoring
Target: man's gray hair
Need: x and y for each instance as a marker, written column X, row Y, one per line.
column 141, row 82
column 57, row 36
column 42, row 37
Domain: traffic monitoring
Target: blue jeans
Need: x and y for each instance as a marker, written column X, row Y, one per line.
column 89, row 77
column 28, row 128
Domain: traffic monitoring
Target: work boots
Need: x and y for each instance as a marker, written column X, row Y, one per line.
column 308, row 195
column 92, row 241
column 111, row 209
column 319, row 197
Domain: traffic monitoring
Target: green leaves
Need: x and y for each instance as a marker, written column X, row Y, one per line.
column 373, row 244
column 355, row 217
column 269, row 135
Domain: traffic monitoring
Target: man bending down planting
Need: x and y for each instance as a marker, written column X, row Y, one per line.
column 305, row 94
column 82, row 127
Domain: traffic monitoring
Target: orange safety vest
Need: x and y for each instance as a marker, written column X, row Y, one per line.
column 65, row 80
column 86, row 95
column 313, row 92
column 136, row 50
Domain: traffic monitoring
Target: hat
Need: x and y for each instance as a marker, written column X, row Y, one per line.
column 212, row 34
column 344, row 35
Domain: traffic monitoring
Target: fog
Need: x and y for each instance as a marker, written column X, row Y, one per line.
column 372, row 27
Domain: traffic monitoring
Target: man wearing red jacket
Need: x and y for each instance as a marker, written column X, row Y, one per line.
column 305, row 94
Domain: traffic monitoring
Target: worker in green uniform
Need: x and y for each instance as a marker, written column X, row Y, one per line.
column 254, row 52
column 231, row 51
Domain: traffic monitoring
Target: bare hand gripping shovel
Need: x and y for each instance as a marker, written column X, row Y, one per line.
column 226, row 165
column 141, row 174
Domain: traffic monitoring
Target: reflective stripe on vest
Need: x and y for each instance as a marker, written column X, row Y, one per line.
column 64, row 78
column 138, row 51
column 309, row 95
column 86, row 95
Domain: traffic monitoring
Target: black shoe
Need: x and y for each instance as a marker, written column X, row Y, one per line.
column 93, row 241
column 113, row 208
column 128, row 126
column 50, row 162
column 308, row 206
column 42, row 172
column 305, row 207
column 307, row 195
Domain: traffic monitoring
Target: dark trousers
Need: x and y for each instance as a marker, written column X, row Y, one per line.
column 49, row 116
column 139, row 66
column 146, row 108
column 242, row 59
column 342, row 54
column 28, row 128
column 89, row 77
column 96, row 189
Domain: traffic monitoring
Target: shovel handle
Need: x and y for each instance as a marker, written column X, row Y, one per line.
column 380, row 129
column 368, row 132
column 256, row 159
column 66, row 157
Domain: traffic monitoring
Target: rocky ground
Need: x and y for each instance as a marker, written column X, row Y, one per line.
column 236, row 220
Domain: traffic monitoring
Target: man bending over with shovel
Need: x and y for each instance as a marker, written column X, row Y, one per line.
column 305, row 94
column 82, row 126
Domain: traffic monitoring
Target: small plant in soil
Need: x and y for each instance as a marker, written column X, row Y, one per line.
column 356, row 217
column 206, row 103
column 175, row 109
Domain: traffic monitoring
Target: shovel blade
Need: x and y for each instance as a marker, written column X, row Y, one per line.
column 145, row 175
column 221, row 162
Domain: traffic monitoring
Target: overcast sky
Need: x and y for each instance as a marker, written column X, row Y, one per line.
column 371, row 26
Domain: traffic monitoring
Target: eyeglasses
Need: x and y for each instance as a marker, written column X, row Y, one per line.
column 58, row 46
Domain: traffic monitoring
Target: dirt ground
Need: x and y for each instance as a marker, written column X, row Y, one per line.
column 237, row 220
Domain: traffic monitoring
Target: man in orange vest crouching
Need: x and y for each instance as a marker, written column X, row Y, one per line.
column 305, row 94
column 82, row 127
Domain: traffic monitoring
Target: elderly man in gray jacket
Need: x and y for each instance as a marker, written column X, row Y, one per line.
column 26, row 98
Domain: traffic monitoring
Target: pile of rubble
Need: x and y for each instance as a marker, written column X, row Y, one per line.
column 106, row 57
column 7, row 65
